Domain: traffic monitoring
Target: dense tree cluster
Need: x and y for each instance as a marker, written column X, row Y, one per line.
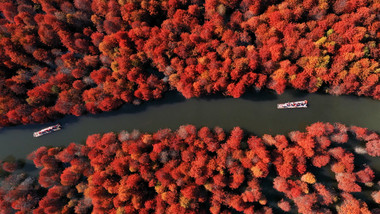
column 19, row 192
column 203, row 170
column 70, row 57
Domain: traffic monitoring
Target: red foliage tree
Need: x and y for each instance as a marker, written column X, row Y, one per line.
column 99, row 76
column 366, row 175
column 280, row 184
column 376, row 196
column 350, row 204
column 321, row 160
column 305, row 203
column 346, row 182
column 327, row 196
column 235, row 138
column 69, row 177
column 373, row 148
column 177, row 171
column 284, row 205
column 316, row 130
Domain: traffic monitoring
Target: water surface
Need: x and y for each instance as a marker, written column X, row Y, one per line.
column 256, row 113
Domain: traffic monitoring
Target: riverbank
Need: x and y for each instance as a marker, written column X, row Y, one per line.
column 255, row 113
column 190, row 168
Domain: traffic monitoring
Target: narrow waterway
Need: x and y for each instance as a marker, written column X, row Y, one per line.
column 255, row 113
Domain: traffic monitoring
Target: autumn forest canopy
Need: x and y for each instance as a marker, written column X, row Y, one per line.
column 62, row 57
column 190, row 170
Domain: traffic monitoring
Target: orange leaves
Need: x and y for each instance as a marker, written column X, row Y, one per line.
column 269, row 140
column 40, row 95
column 237, row 180
column 253, row 192
column 236, row 90
column 366, row 175
column 69, row 178
column 376, row 196
column 228, row 47
column 305, row 203
column 73, row 48
column 235, row 138
column 321, row 160
column 308, row 145
column 308, row 178
column 373, row 148
column 176, row 171
column 280, row 184
column 284, row 168
column 257, row 148
column 352, row 205
column 278, row 85
column 281, row 142
column 284, row 205
column 248, row 196
column 346, row 182
column 327, row 196
column 220, row 180
column 260, row 170
column 316, row 129
column 100, row 75
column 132, row 181
column 190, row 192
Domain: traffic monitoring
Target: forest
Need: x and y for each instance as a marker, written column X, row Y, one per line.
column 323, row 169
column 60, row 57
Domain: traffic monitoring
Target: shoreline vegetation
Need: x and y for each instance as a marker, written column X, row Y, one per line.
column 320, row 170
column 63, row 57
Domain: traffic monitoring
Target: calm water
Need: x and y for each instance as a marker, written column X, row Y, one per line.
column 256, row 113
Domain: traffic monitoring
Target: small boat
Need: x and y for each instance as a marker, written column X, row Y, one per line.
column 297, row 104
column 47, row 130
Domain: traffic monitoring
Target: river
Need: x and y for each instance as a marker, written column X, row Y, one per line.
column 254, row 112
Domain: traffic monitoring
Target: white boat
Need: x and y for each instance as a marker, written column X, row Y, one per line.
column 47, row 130
column 297, row 104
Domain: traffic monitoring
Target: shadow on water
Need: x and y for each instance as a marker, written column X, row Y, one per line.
column 31, row 169
column 265, row 95
column 253, row 95
column 255, row 112
column 299, row 94
column 322, row 174
column 23, row 127
column 170, row 97
column 173, row 98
